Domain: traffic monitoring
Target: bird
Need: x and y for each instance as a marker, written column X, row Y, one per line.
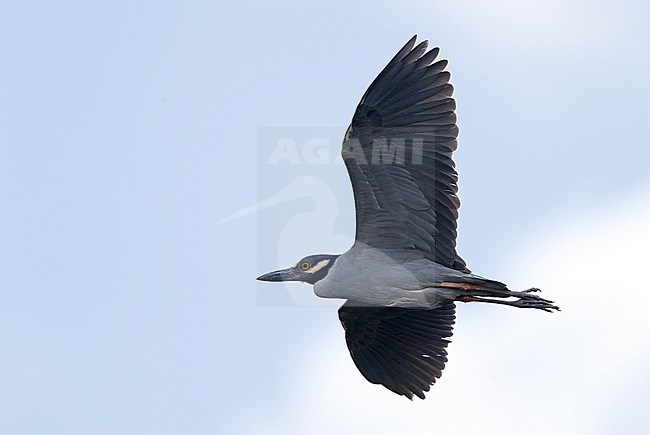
column 402, row 276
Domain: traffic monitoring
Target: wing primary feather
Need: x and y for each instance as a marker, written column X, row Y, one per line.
column 409, row 204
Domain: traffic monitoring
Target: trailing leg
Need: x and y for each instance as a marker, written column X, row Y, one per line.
column 522, row 299
column 539, row 303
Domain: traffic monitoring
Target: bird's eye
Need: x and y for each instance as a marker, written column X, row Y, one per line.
column 304, row 265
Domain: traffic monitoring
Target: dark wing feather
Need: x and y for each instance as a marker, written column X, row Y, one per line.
column 400, row 348
column 409, row 202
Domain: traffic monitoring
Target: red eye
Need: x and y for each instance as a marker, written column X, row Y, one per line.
column 305, row 265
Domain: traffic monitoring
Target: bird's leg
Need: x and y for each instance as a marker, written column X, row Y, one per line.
column 525, row 299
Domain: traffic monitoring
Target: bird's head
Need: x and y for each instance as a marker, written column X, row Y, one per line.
column 310, row 269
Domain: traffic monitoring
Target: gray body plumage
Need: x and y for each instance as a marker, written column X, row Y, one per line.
column 405, row 279
column 402, row 276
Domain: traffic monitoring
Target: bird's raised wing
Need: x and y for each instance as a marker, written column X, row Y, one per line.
column 402, row 349
column 398, row 154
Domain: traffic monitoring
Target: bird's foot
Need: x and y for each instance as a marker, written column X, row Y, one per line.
column 526, row 299
column 539, row 303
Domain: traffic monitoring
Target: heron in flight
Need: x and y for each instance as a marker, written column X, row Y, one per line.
column 402, row 276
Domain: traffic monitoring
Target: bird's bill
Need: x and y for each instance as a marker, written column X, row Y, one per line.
column 289, row 274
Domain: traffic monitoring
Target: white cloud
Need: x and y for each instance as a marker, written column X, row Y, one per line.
column 510, row 370
column 517, row 24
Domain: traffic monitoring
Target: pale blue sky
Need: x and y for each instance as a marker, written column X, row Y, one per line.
column 128, row 130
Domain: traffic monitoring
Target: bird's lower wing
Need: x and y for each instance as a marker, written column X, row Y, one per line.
column 400, row 348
